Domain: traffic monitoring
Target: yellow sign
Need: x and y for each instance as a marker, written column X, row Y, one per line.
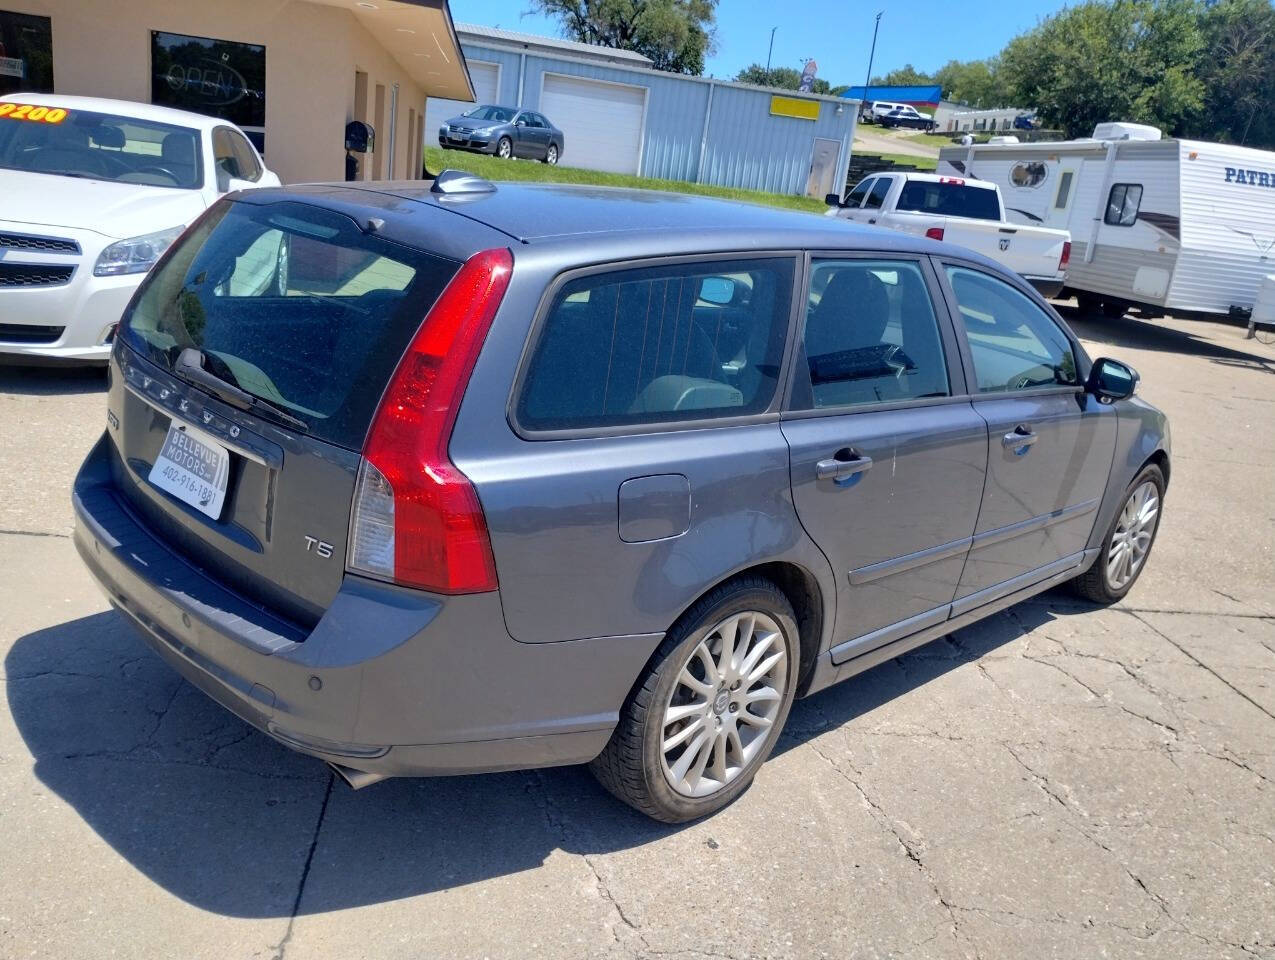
column 25, row 111
column 794, row 107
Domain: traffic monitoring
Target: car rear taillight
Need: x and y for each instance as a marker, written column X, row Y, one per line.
column 1066, row 256
column 416, row 518
column 934, row 233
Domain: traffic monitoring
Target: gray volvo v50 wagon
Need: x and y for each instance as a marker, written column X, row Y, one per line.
column 439, row 478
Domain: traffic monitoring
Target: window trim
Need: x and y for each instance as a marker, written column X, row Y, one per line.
column 889, row 182
column 1083, row 361
column 545, row 306
column 1106, row 217
column 958, row 379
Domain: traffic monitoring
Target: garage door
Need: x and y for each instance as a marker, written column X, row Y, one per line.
column 601, row 122
column 486, row 77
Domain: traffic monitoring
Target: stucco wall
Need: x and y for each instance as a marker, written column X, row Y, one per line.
column 102, row 48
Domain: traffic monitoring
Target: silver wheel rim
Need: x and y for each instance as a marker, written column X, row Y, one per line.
column 553, row 154
column 722, row 708
column 1131, row 539
column 503, row 149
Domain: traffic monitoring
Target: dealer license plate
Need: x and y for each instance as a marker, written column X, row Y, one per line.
column 193, row 467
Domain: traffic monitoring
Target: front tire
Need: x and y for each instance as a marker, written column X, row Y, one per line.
column 505, row 148
column 709, row 709
column 1128, row 542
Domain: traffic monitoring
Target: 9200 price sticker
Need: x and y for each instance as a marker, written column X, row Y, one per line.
column 27, row 111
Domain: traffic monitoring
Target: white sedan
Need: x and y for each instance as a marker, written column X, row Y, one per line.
column 93, row 193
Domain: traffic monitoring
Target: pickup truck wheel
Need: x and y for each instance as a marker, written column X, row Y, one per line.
column 710, row 707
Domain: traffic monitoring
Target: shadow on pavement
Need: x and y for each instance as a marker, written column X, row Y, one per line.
column 52, row 380
column 1151, row 335
column 221, row 816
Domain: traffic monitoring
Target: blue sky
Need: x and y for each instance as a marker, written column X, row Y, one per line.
column 925, row 33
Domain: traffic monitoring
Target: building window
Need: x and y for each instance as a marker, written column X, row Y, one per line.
column 26, row 53
column 219, row 78
column 1122, row 204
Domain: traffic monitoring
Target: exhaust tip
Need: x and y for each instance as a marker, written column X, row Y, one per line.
column 355, row 779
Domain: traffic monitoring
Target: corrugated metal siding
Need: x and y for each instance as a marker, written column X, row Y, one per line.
column 747, row 147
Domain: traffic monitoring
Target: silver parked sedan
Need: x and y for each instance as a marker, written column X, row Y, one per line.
column 504, row 132
column 563, row 475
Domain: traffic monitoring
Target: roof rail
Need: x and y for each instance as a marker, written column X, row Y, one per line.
column 457, row 182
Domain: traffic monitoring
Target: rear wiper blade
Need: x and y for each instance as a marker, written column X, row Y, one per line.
column 190, row 366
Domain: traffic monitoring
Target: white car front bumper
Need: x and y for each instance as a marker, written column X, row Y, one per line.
column 51, row 305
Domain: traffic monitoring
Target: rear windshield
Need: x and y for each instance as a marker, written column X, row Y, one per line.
column 99, row 146
column 949, row 200
column 292, row 303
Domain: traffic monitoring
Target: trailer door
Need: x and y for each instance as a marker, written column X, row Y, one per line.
column 1064, row 184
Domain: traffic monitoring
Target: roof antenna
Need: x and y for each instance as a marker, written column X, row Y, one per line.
column 460, row 182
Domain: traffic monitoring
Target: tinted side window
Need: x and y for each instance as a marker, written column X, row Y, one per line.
column 879, row 190
column 949, row 200
column 859, row 192
column 1015, row 344
column 249, row 168
column 659, row 344
column 1123, row 203
column 871, row 336
column 224, row 153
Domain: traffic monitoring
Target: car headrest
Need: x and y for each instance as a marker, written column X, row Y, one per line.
column 105, row 136
column 178, row 148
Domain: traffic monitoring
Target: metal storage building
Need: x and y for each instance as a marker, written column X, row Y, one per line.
column 619, row 115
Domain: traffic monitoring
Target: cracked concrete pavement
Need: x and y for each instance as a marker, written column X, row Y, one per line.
column 1057, row 781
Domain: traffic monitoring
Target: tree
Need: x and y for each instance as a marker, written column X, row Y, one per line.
column 677, row 35
column 905, row 76
column 785, row 78
column 1238, row 70
column 1126, row 60
column 977, row 83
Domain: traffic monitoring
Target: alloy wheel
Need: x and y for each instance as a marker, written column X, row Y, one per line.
column 724, row 703
column 1131, row 540
column 504, row 150
column 552, row 156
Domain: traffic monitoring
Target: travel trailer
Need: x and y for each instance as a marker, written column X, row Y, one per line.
column 1164, row 225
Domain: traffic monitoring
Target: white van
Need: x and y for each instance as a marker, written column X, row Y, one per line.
column 94, row 192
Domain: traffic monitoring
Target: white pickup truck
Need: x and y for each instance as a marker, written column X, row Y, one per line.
column 968, row 213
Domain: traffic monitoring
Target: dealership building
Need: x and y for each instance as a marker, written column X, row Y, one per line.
column 292, row 73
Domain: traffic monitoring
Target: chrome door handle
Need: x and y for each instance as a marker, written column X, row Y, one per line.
column 835, row 469
column 1019, row 437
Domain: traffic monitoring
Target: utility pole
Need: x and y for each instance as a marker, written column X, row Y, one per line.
column 867, row 84
column 771, row 49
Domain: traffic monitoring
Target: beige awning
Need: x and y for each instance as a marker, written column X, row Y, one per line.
column 420, row 36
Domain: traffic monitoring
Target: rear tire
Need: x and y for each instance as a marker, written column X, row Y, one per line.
column 1127, row 545
column 687, row 712
column 551, row 155
column 1113, row 310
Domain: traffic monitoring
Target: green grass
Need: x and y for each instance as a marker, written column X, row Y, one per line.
column 530, row 170
column 936, row 140
column 921, row 163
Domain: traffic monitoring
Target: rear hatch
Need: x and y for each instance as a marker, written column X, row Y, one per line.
column 249, row 368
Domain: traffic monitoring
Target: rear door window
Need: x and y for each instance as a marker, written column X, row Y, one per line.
column 676, row 342
column 293, row 304
column 871, row 336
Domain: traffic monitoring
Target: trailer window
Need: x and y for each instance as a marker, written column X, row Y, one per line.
column 1064, row 190
column 1122, row 204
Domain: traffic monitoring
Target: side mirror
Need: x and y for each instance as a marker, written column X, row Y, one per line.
column 1112, row 380
column 227, row 183
column 833, row 200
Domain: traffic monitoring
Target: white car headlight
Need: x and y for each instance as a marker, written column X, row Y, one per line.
column 136, row 254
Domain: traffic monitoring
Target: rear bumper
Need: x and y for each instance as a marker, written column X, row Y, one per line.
column 1047, row 286
column 390, row 681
